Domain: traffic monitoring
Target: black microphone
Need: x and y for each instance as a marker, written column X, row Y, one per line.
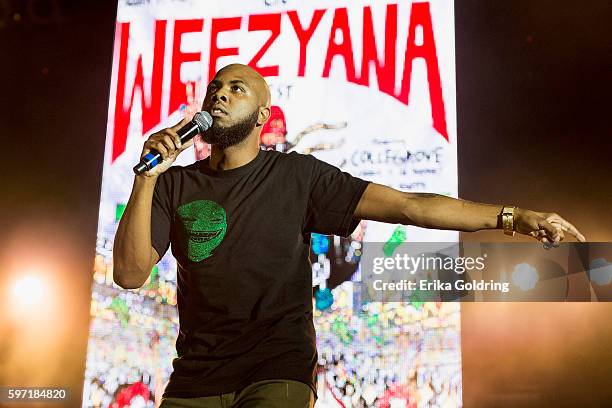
column 200, row 123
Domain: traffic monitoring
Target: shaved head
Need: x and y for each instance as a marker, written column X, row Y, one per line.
column 238, row 99
column 259, row 84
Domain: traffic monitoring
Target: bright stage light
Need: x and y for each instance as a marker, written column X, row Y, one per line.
column 525, row 276
column 29, row 291
column 601, row 271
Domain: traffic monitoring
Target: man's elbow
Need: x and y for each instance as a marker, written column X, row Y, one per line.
column 412, row 210
column 125, row 279
column 126, row 283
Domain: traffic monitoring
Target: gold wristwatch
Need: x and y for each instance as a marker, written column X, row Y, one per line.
column 507, row 215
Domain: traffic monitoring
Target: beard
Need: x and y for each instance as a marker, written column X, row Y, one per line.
column 226, row 136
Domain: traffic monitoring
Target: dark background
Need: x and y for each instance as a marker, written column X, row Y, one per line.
column 533, row 92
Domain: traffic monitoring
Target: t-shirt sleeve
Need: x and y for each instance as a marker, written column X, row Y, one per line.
column 161, row 214
column 334, row 195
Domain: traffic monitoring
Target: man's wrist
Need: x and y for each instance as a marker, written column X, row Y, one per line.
column 142, row 180
column 507, row 219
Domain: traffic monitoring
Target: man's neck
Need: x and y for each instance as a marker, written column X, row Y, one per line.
column 233, row 156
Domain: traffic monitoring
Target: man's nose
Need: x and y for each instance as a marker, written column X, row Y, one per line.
column 219, row 95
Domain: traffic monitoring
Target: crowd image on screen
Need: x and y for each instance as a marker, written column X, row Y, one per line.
column 370, row 354
column 383, row 355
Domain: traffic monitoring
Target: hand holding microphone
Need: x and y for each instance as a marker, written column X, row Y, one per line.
column 163, row 147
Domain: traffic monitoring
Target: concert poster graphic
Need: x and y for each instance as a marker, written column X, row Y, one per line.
column 368, row 86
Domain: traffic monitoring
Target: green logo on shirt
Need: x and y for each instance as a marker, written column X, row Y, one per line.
column 205, row 225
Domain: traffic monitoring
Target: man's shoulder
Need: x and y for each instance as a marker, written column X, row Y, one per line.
column 290, row 157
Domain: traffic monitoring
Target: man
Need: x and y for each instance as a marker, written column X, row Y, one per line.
column 239, row 222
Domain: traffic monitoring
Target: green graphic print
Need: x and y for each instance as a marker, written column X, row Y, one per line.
column 205, row 226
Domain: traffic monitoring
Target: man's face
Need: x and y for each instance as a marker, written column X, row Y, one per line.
column 233, row 101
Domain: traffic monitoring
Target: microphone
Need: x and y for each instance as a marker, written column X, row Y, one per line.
column 200, row 123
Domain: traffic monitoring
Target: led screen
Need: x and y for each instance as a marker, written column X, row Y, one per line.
column 368, row 86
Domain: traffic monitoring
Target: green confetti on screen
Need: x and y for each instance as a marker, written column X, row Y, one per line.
column 119, row 210
column 121, row 309
column 397, row 237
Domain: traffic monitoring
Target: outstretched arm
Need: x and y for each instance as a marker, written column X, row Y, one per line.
column 427, row 210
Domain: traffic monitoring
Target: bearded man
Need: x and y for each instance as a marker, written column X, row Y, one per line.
column 239, row 223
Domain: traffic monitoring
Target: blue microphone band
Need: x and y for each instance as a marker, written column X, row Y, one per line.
column 151, row 160
column 200, row 123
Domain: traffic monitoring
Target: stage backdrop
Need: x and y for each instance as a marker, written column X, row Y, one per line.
column 368, row 86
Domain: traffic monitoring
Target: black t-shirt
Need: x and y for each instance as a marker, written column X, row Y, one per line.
column 241, row 238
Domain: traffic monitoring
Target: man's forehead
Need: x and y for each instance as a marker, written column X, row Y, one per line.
column 246, row 75
column 238, row 73
column 231, row 80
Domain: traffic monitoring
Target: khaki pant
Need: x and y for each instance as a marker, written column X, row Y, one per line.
column 264, row 394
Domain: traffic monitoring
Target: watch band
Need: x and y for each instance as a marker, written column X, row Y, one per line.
column 508, row 220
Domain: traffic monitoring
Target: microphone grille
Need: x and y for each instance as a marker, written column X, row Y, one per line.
column 203, row 120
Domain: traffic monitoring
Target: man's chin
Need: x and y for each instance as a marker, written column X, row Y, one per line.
column 220, row 123
column 216, row 129
column 229, row 134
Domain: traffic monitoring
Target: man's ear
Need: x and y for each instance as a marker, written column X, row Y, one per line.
column 264, row 115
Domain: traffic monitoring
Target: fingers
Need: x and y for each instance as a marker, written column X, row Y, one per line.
column 153, row 144
column 551, row 232
column 164, row 144
column 176, row 138
column 167, row 142
column 559, row 230
column 172, row 139
column 549, row 229
column 186, row 145
column 541, row 235
column 546, row 242
column 566, row 226
column 182, row 123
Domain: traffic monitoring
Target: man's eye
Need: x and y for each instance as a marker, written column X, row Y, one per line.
column 237, row 88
